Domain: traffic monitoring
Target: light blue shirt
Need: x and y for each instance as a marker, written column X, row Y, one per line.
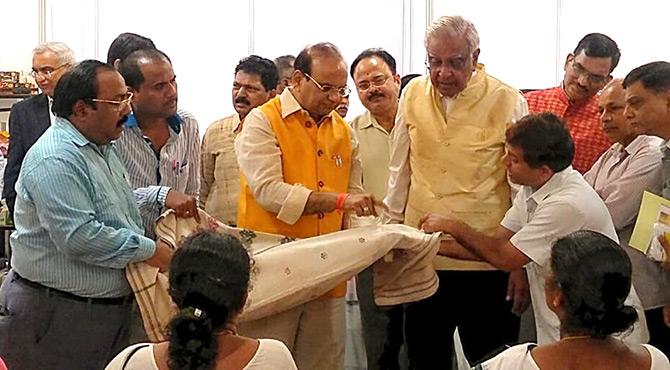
column 77, row 221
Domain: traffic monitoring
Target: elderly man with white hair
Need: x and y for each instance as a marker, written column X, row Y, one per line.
column 446, row 158
column 29, row 118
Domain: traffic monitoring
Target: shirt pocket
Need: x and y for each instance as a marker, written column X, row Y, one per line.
column 182, row 173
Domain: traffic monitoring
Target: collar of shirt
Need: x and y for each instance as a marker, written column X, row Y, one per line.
column 76, row 136
column 638, row 143
column 290, row 105
column 369, row 121
column 174, row 122
column 50, row 105
column 448, row 102
column 548, row 188
column 237, row 123
column 564, row 98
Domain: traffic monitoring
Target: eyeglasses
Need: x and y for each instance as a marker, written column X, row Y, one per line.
column 455, row 63
column 46, row 71
column 120, row 104
column 330, row 90
column 592, row 78
column 377, row 82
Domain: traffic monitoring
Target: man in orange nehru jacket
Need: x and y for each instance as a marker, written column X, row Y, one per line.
column 300, row 171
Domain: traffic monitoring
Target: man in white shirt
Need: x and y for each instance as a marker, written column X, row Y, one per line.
column 554, row 201
column 378, row 85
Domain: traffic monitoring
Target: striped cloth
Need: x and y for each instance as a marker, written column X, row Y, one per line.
column 152, row 174
column 287, row 273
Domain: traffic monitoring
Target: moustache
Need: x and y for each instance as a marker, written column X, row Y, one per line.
column 375, row 95
column 242, row 100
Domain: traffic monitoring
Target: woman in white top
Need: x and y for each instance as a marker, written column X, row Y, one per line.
column 209, row 277
column 588, row 283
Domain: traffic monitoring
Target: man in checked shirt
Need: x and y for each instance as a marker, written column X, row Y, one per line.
column 587, row 70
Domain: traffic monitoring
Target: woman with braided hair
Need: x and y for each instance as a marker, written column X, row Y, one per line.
column 586, row 288
column 209, row 278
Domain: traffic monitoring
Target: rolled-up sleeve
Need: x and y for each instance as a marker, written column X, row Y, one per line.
column 259, row 159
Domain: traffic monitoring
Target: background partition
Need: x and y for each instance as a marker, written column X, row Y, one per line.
column 523, row 42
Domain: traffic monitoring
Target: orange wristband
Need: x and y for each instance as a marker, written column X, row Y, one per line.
column 339, row 203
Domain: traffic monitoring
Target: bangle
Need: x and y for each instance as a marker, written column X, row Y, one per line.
column 339, row 203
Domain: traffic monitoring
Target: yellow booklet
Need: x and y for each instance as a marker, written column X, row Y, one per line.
column 652, row 220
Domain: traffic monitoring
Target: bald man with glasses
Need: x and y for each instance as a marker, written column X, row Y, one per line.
column 300, row 173
column 446, row 157
column 29, row 118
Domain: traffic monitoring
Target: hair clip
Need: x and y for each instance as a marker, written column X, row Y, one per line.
column 197, row 312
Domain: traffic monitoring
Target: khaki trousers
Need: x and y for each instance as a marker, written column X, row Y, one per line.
column 314, row 332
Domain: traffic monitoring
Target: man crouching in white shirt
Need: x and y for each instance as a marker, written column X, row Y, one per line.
column 553, row 202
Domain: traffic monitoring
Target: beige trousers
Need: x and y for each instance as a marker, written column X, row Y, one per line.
column 314, row 332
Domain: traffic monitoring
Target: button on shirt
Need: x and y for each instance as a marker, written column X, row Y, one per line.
column 622, row 174
column 152, row 174
column 563, row 205
column 259, row 157
column 77, row 221
column 620, row 177
column 374, row 147
column 220, row 181
column 400, row 171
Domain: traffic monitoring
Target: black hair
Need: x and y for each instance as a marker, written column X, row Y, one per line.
column 544, row 139
column 79, row 83
column 594, row 274
column 130, row 68
column 654, row 76
column 125, row 44
column 209, row 277
column 374, row 52
column 303, row 62
column 404, row 80
column 597, row 45
column 265, row 68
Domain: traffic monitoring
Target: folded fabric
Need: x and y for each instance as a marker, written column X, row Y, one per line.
column 288, row 272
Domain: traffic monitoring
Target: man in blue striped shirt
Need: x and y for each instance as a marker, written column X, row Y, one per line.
column 66, row 303
column 160, row 146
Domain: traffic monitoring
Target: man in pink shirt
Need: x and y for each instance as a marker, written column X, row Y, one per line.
column 620, row 177
column 587, row 70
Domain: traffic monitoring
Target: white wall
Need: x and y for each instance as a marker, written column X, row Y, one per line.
column 523, row 42
column 19, row 34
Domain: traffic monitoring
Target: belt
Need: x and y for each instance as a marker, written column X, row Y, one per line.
column 73, row 297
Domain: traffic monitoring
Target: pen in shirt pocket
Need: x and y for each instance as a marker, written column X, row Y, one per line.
column 183, row 165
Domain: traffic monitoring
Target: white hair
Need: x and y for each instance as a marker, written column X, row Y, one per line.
column 454, row 26
column 63, row 52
